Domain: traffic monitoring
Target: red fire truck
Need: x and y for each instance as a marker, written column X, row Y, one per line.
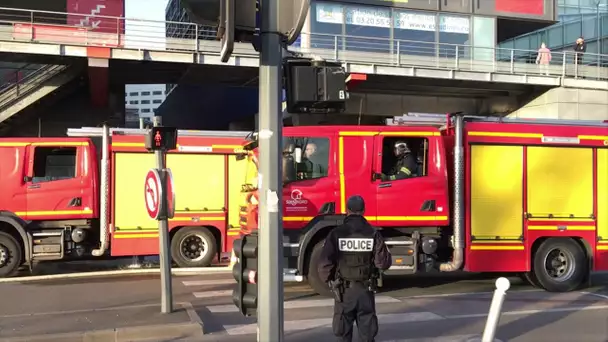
column 82, row 196
column 489, row 195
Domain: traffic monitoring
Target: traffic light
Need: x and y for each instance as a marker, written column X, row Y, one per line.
column 161, row 138
column 245, row 272
column 314, row 86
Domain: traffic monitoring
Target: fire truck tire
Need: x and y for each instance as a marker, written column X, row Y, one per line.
column 560, row 265
column 193, row 247
column 11, row 255
column 314, row 280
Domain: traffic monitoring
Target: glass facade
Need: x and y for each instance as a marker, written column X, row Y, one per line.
column 383, row 29
column 586, row 18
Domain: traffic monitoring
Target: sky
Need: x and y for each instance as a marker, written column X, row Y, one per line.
column 145, row 9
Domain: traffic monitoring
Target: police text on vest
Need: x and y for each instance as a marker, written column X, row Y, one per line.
column 355, row 245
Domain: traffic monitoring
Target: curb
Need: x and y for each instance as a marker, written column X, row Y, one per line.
column 175, row 272
column 140, row 333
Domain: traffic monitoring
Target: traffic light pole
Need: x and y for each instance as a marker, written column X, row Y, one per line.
column 270, row 122
column 166, row 299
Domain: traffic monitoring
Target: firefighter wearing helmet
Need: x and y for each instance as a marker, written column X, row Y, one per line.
column 405, row 166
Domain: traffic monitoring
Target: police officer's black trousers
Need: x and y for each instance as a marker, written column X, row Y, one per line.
column 358, row 305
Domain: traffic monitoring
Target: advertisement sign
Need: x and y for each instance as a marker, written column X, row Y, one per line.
column 85, row 13
column 381, row 18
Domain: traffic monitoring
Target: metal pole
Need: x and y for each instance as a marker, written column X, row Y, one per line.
column 166, row 294
column 270, row 287
column 502, row 285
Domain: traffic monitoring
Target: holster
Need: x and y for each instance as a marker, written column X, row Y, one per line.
column 337, row 288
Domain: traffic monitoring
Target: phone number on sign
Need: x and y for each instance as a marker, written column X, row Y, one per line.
column 368, row 18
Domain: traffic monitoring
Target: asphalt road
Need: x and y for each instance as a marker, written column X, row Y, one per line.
column 409, row 309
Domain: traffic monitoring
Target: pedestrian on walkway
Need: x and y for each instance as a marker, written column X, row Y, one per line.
column 580, row 47
column 543, row 59
column 351, row 258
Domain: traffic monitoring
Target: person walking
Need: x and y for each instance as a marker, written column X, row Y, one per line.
column 543, row 59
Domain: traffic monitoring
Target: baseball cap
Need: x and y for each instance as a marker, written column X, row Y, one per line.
column 355, row 203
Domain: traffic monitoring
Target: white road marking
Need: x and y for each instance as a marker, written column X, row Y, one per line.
column 300, row 304
column 306, row 324
column 453, row 338
column 174, row 271
column 400, row 318
column 457, row 294
column 208, row 282
column 596, row 295
column 212, row 294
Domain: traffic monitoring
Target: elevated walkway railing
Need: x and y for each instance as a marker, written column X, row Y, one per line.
column 12, row 93
column 96, row 30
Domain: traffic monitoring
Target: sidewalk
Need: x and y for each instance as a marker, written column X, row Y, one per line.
column 126, row 323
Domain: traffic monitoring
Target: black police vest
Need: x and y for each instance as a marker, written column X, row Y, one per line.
column 356, row 252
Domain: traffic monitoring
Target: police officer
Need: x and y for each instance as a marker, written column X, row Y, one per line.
column 405, row 166
column 351, row 256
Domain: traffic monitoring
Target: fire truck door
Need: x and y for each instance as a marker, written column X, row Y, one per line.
column 54, row 185
column 412, row 201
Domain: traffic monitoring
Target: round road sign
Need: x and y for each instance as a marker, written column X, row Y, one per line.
column 170, row 194
column 153, row 193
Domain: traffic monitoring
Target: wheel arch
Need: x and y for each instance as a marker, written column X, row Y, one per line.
column 215, row 231
column 317, row 229
column 17, row 228
column 581, row 241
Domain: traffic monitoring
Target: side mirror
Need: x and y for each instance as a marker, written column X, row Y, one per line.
column 376, row 176
column 27, row 179
column 297, row 154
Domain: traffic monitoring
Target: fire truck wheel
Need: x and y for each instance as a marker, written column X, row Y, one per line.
column 193, row 247
column 530, row 278
column 314, row 280
column 10, row 255
column 560, row 265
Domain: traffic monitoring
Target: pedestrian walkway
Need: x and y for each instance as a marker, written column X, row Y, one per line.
column 455, row 317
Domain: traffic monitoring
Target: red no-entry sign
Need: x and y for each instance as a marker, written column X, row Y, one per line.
column 153, row 193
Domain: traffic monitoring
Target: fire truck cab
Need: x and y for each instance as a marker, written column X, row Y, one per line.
column 488, row 195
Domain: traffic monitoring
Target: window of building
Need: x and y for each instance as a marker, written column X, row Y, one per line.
column 145, row 93
column 418, row 150
column 133, row 102
column 145, row 101
column 315, row 158
column 368, row 29
column 145, row 110
column 484, row 39
column 415, row 32
column 326, row 23
column 157, row 101
column 54, row 163
column 454, row 35
column 133, row 93
column 157, row 92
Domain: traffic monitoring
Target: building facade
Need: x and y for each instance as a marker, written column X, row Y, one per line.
column 586, row 18
column 422, row 27
column 142, row 100
column 175, row 15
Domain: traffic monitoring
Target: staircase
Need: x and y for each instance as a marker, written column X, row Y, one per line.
column 19, row 95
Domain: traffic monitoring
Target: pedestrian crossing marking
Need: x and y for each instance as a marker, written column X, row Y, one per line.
column 307, row 324
column 208, row 282
column 212, row 294
column 300, row 304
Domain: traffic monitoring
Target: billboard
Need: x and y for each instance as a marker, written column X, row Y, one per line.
column 518, row 9
column 86, row 13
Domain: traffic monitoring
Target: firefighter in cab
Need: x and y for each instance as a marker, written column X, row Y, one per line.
column 405, row 166
column 351, row 260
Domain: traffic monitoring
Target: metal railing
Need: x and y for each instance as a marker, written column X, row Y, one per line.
column 24, row 86
column 64, row 28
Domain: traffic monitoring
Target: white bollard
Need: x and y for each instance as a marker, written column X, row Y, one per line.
column 502, row 285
